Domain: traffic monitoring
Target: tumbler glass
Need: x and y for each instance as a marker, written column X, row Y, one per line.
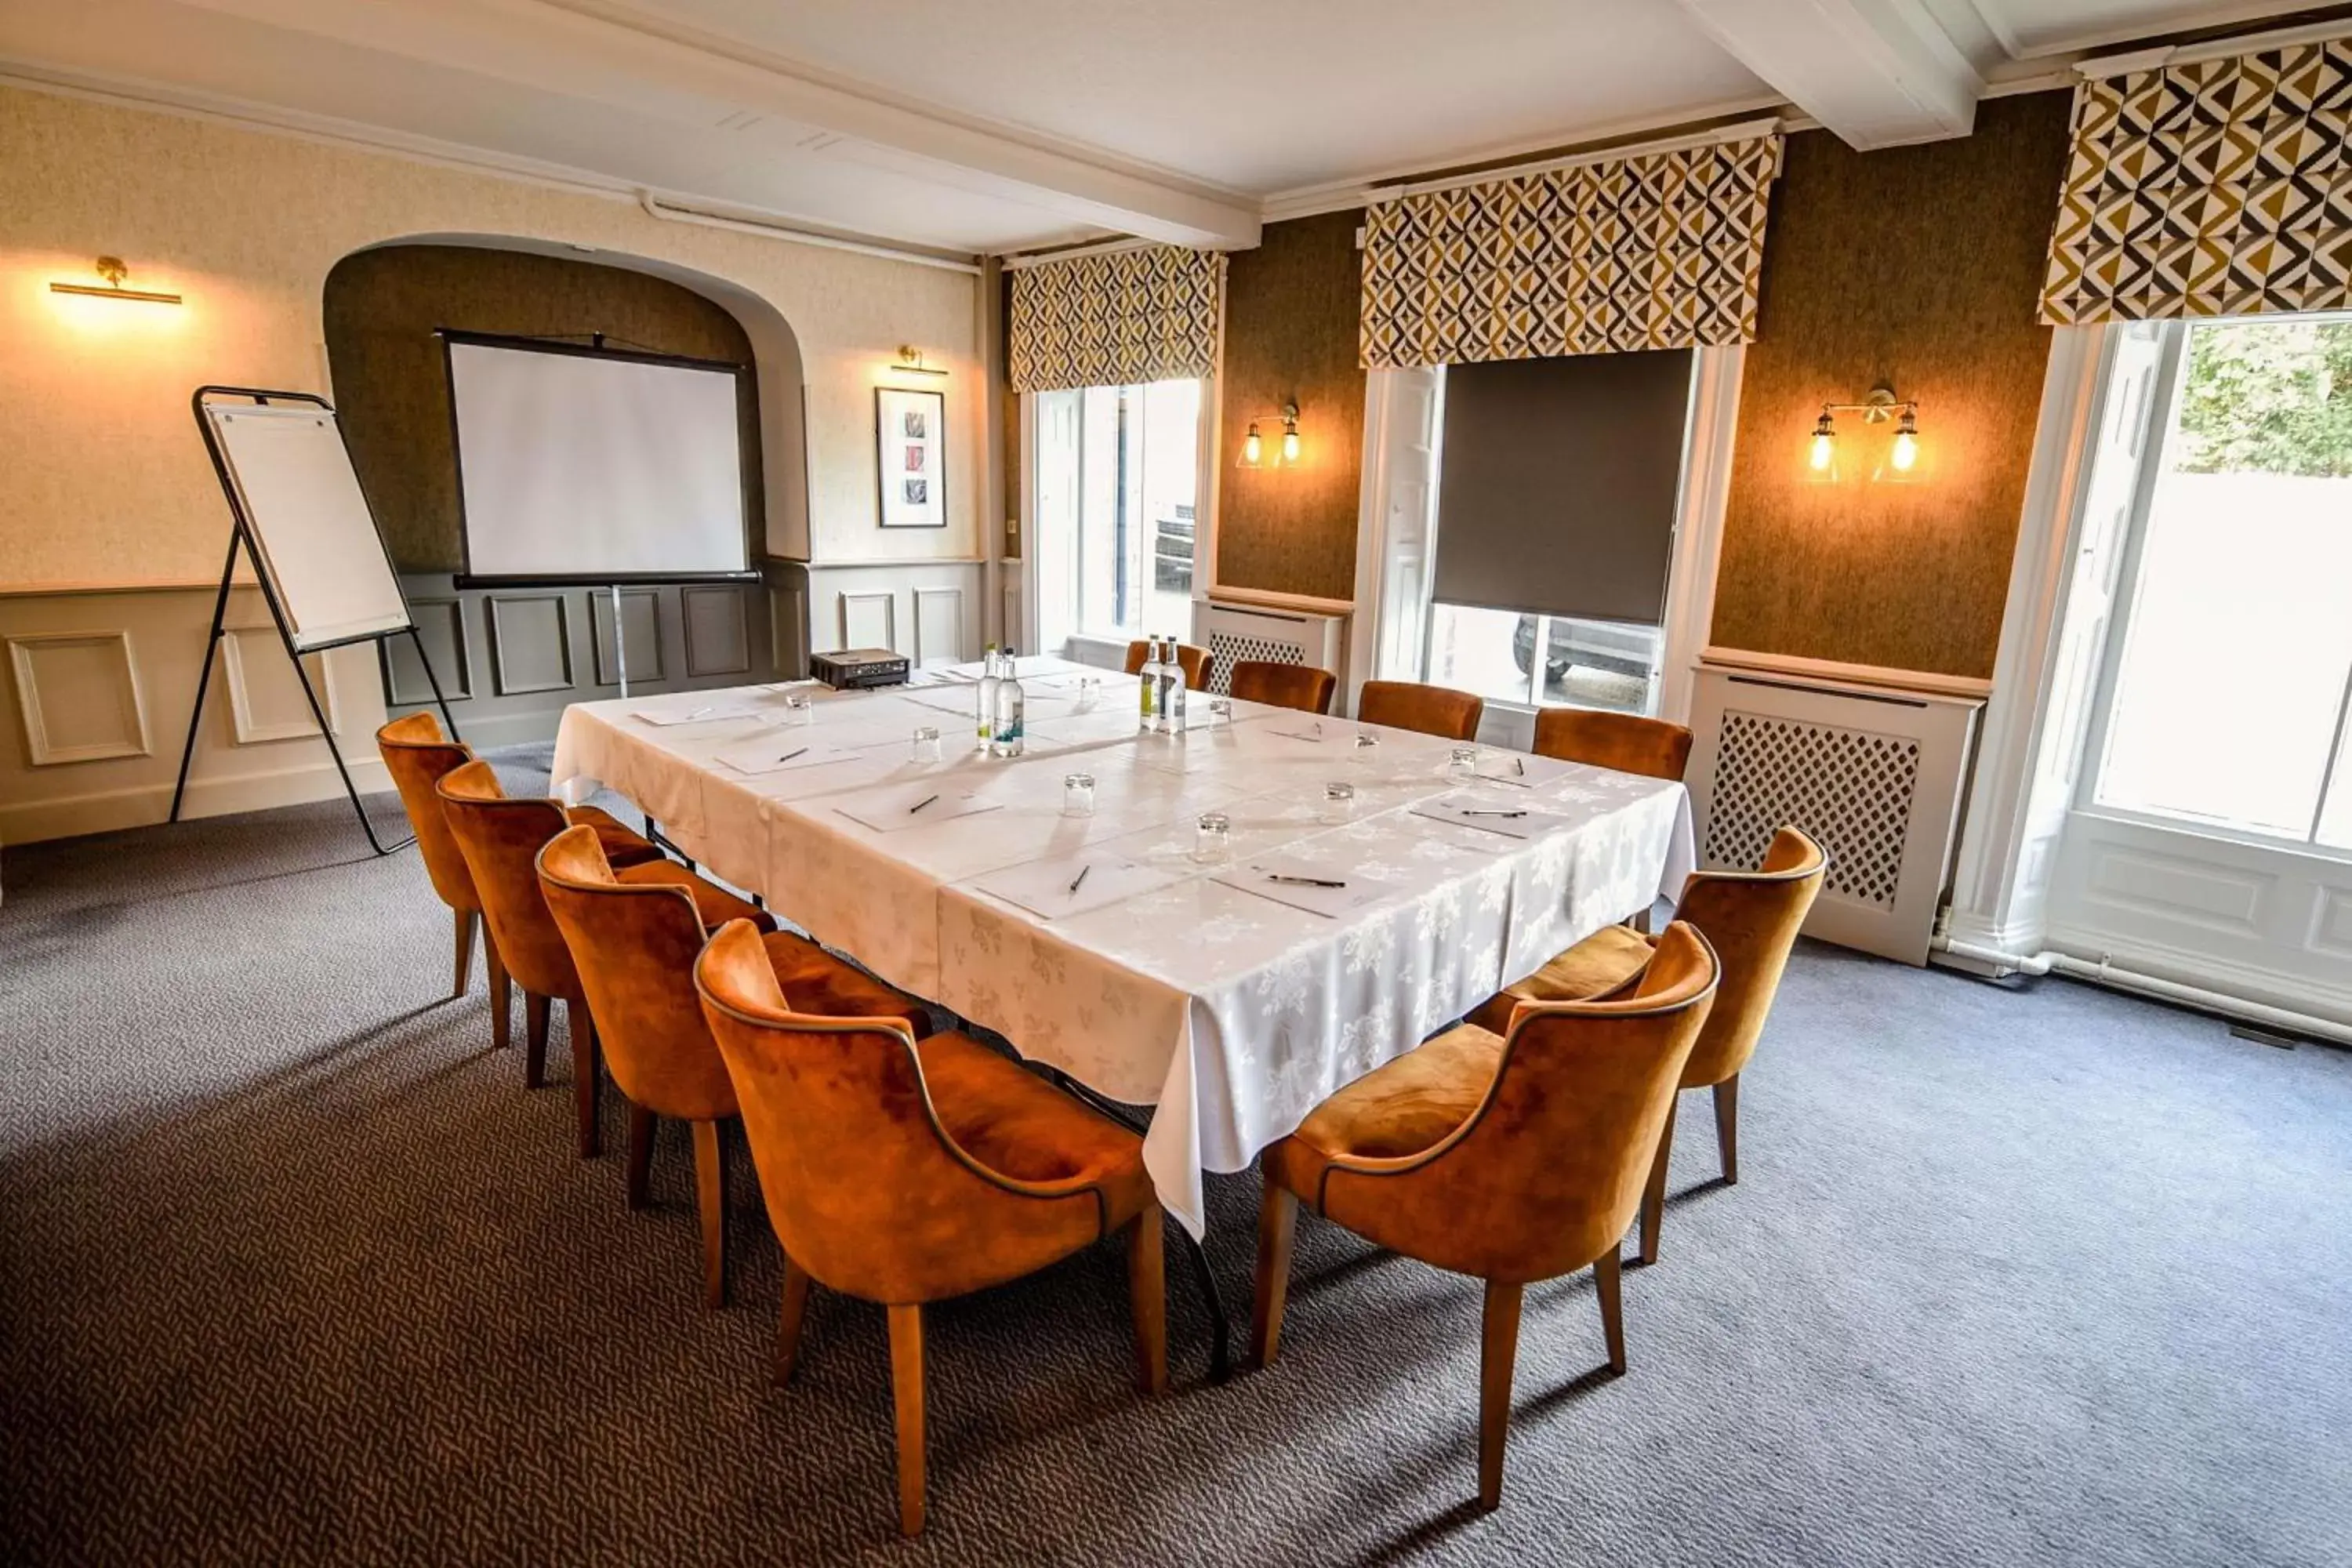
column 1212, row 843
column 927, row 743
column 799, row 708
column 1462, row 762
column 1077, row 794
column 1338, row 803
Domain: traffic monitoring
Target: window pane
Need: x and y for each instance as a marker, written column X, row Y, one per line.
column 1171, row 429
column 1486, row 651
column 2238, row 646
column 1137, row 457
column 1599, row 664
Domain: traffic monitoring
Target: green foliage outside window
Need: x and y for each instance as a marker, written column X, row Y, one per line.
column 2273, row 397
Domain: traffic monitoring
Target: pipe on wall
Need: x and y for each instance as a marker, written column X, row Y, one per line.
column 2103, row 973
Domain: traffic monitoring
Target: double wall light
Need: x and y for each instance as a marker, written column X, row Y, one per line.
column 1253, row 444
column 111, row 268
column 1902, row 462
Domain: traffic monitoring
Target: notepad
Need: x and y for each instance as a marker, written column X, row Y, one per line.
column 893, row 811
column 780, row 752
column 708, row 713
column 1043, row 887
column 1502, row 815
column 1332, row 903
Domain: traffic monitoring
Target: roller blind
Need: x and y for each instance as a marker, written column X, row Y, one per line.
column 1557, row 481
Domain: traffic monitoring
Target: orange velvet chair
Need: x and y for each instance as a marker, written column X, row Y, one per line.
column 1626, row 741
column 1299, row 685
column 635, row 946
column 415, row 755
column 1512, row 1159
column 1751, row 919
column 1432, row 710
column 501, row 839
column 904, row 1172
column 1198, row 662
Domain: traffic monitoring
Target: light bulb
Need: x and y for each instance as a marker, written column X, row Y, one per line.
column 1907, row 451
column 1290, row 443
column 1824, row 451
column 1252, row 448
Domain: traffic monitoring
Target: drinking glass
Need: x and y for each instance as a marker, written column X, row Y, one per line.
column 1366, row 739
column 1077, row 794
column 1338, row 803
column 1220, row 712
column 1462, row 762
column 927, row 743
column 799, row 708
column 1212, row 843
column 1089, row 691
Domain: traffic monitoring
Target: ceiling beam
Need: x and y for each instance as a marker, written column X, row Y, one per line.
column 550, row 47
column 1879, row 73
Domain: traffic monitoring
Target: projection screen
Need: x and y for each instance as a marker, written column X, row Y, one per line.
column 594, row 465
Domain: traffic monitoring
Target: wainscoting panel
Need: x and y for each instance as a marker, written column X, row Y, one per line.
column 919, row 608
column 103, row 680
column 718, row 630
column 531, row 644
column 78, row 697
column 441, row 627
column 939, row 625
column 265, row 699
column 641, row 629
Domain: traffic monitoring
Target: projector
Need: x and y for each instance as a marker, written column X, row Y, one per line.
column 856, row 668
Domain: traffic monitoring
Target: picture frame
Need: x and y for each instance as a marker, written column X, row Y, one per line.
column 910, row 457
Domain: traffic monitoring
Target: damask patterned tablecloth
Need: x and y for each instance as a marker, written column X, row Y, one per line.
column 1232, row 1012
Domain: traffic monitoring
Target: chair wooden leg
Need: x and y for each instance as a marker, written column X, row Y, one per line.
column 907, row 1389
column 501, row 993
column 1606, row 1273
column 1653, row 1195
column 642, row 1124
column 788, row 1334
column 535, row 1009
column 1499, row 1347
column 710, row 1199
column 467, row 919
column 1147, row 1292
column 1726, row 1127
column 587, row 1079
column 1277, row 1217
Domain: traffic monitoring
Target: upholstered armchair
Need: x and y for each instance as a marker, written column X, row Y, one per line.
column 1626, row 741
column 1197, row 662
column 1511, row 1158
column 1751, row 919
column 905, row 1172
column 1432, row 710
column 633, row 946
column 1299, row 685
column 501, row 839
column 415, row 755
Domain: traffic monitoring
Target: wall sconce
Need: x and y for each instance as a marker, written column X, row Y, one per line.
column 111, row 268
column 1882, row 405
column 910, row 363
column 1253, row 444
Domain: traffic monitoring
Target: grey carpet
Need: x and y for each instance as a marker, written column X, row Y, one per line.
column 293, row 1270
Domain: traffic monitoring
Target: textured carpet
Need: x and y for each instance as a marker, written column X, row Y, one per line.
column 293, row 1270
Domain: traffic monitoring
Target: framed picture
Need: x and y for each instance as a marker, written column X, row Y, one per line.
column 910, row 451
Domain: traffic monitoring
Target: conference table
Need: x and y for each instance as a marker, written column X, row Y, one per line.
column 1104, row 945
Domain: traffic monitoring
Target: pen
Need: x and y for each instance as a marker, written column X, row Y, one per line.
column 1470, row 811
column 920, row 803
column 1078, row 878
column 1518, row 767
column 1302, row 881
column 788, row 756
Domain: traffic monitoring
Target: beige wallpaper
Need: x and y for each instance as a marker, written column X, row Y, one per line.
column 106, row 480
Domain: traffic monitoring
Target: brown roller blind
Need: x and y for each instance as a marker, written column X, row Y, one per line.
column 1557, row 483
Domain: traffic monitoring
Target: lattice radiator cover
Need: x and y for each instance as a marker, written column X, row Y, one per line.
column 1235, row 632
column 1876, row 776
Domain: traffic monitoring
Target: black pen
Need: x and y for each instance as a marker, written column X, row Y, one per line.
column 788, row 756
column 920, row 803
column 1078, row 878
column 1302, row 881
column 1469, row 811
column 1518, row 767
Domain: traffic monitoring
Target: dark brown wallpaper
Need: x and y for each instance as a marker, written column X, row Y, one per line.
column 393, row 390
column 1290, row 332
column 1922, row 266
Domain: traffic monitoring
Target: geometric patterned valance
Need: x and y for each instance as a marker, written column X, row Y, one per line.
column 1116, row 318
column 1661, row 250
column 2218, row 187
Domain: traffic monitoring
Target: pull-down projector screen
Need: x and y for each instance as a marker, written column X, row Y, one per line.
column 593, row 466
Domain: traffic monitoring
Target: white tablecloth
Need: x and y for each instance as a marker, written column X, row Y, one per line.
column 1233, row 1014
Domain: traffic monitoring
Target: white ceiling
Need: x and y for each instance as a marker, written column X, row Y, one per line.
column 972, row 126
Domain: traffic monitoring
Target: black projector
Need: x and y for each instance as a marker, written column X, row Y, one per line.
column 856, row 668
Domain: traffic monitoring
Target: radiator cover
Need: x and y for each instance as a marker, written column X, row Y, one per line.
column 1235, row 632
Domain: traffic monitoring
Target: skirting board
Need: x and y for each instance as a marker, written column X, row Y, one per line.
column 146, row 805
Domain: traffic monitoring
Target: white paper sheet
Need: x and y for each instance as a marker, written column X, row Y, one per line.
column 914, row 805
column 1333, row 903
column 1044, row 887
column 705, row 713
column 1504, row 815
column 785, row 750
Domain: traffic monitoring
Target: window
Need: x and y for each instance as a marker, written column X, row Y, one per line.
column 2232, row 670
column 1117, row 476
column 1558, row 481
